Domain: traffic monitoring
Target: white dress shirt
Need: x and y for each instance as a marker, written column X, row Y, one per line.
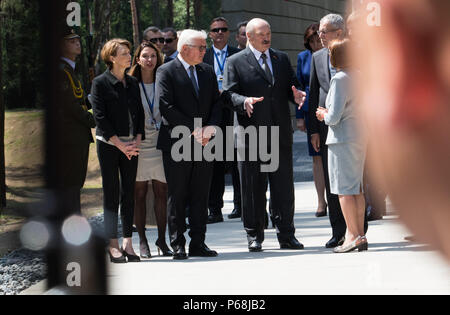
column 258, row 54
column 186, row 67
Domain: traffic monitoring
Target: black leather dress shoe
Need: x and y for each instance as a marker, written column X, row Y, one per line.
column 255, row 246
column 373, row 214
column 202, row 251
column 334, row 242
column 236, row 213
column 179, row 253
column 215, row 218
column 291, row 243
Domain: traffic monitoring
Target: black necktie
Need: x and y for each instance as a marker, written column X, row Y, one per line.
column 266, row 68
column 194, row 82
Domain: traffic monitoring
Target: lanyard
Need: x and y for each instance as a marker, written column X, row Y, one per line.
column 221, row 65
column 150, row 104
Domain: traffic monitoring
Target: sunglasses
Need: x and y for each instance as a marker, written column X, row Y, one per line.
column 169, row 40
column 155, row 40
column 217, row 30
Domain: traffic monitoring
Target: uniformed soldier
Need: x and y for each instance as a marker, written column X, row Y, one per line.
column 76, row 123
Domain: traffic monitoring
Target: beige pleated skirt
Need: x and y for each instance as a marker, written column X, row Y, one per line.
column 150, row 163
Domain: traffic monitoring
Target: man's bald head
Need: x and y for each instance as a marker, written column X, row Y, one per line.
column 259, row 34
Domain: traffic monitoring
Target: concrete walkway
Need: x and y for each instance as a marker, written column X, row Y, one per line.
column 391, row 266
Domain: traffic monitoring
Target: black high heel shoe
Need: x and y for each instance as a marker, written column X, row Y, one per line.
column 162, row 247
column 322, row 213
column 131, row 258
column 118, row 260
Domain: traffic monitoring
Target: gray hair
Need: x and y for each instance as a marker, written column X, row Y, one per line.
column 334, row 20
column 187, row 36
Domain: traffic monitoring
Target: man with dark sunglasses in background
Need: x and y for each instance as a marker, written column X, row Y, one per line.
column 154, row 35
column 217, row 56
column 170, row 44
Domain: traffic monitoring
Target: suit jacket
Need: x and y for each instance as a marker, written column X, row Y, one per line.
column 209, row 55
column 227, row 114
column 113, row 104
column 244, row 78
column 341, row 117
column 178, row 102
column 319, row 86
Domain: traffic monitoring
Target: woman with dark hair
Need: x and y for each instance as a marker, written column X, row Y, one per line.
column 312, row 44
column 146, row 61
column 119, row 117
column 346, row 148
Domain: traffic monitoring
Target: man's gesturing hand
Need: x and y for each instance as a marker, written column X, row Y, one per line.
column 299, row 96
column 249, row 102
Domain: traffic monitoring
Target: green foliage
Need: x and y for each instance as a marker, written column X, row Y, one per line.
column 21, row 54
column 21, row 38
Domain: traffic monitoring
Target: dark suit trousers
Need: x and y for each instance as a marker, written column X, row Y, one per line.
column 218, row 186
column 254, row 202
column 188, row 187
column 337, row 220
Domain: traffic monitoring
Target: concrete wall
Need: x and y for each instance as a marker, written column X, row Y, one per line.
column 288, row 18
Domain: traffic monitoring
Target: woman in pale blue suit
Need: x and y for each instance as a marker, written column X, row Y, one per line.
column 346, row 149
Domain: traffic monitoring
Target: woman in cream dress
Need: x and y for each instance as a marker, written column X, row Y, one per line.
column 146, row 61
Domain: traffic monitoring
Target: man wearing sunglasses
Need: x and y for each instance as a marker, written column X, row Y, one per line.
column 154, row 35
column 170, row 44
column 217, row 56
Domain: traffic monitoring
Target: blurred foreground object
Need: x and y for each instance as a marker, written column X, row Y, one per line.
column 405, row 95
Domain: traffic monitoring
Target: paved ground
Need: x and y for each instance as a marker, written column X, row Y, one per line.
column 391, row 266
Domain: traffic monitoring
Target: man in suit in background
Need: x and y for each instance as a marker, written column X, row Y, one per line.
column 187, row 89
column 217, row 56
column 260, row 82
column 241, row 35
column 332, row 27
column 170, row 44
column 76, row 122
column 154, row 35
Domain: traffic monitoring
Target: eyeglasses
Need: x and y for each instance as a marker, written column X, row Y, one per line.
column 158, row 39
column 326, row 32
column 217, row 30
column 200, row 48
column 169, row 40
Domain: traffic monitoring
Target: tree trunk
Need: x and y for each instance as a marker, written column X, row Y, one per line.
column 2, row 125
column 188, row 14
column 170, row 13
column 155, row 13
column 197, row 13
column 102, row 16
column 135, row 22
